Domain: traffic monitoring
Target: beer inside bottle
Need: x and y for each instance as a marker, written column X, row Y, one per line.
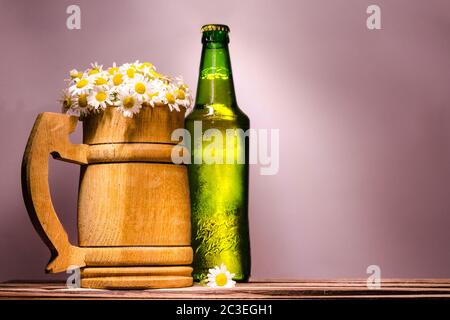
column 218, row 173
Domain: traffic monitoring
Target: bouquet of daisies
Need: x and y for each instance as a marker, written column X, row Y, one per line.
column 128, row 87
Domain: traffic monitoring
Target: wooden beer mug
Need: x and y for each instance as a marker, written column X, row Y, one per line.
column 133, row 204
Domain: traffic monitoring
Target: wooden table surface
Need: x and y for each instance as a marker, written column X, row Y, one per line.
column 320, row 289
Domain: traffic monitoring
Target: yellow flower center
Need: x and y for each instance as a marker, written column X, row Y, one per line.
column 82, row 100
column 221, row 279
column 82, row 83
column 180, row 94
column 117, row 79
column 139, row 87
column 67, row 102
column 131, row 72
column 100, row 96
column 151, row 95
column 145, row 64
column 93, row 71
column 100, row 81
column 128, row 102
column 170, row 98
column 113, row 70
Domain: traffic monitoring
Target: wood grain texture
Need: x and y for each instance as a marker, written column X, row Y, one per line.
column 137, row 256
column 308, row 289
column 150, row 125
column 134, row 204
column 137, row 282
column 133, row 152
column 136, row 271
column 50, row 135
column 136, row 277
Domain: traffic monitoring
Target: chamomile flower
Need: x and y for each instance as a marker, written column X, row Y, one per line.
column 140, row 87
column 220, row 277
column 130, row 72
column 117, row 79
column 183, row 95
column 99, row 99
column 128, row 102
column 100, row 80
column 155, row 92
column 66, row 101
column 96, row 68
column 126, row 66
column 113, row 70
column 80, row 86
column 128, row 87
column 171, row 101
column 169, row 96
column 179, row 81
column 182, row 98
column 156, row 85
column 80, row 106
column 153, row 97
column 128, row 69
column 146, row 68
column 75, row 74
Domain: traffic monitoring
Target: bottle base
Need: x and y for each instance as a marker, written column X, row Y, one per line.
column 199, row 278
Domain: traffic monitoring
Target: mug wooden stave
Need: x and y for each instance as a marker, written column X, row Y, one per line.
column 131, row 196
column 150, row 125
column 130, row 193
column 133, row 204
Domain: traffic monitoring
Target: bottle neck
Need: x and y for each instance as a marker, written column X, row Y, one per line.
column 215, row 81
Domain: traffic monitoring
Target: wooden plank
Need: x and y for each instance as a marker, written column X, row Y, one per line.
column 317, row 289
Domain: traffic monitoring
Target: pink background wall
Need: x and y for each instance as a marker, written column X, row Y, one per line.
column 364, row 120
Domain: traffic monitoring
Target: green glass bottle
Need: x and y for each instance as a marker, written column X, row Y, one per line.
column 218, row 173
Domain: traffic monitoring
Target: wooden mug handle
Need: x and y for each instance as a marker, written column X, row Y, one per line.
column 50, row 136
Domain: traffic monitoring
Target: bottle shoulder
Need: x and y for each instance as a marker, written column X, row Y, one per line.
column 218, row 112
